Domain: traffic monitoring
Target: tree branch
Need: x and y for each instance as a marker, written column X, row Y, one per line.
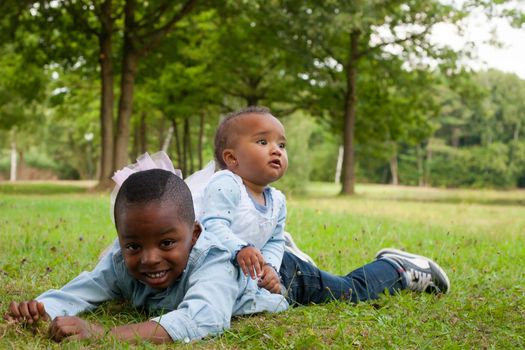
column 153, row 38
column 77, row 15
column 394, row 42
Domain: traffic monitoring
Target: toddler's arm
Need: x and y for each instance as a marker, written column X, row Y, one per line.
column 273, row 250
column 221, row 199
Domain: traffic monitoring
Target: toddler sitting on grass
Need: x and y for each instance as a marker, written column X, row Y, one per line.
column 239, row 206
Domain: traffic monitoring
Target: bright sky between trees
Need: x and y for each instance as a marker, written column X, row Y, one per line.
column 508, row 56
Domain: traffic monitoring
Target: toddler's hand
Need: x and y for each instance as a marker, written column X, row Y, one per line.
column 251, row 261
column 27, row 311
column 74, row 328
column 270, row 280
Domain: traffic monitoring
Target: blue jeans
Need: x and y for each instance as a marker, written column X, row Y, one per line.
column 305, row 283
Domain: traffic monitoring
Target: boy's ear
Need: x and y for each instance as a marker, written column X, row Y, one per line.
column 197, row 229
column 228, row 155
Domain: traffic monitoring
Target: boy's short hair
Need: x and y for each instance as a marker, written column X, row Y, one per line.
column 223, row 134
column 156, row 185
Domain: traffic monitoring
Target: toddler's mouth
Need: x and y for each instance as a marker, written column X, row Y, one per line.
column 275, row 163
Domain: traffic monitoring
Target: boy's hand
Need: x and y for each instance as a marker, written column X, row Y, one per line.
column 27, row 311
column 270, row 280
column 250, row 259
column 74, row 328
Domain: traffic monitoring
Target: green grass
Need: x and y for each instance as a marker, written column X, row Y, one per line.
column 46, row 188
column 477, row 236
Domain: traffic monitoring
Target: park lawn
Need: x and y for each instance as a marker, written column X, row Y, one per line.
column 477, row 236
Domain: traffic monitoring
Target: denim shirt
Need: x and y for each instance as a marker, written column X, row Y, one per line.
column 229, row 212
column 201, row 302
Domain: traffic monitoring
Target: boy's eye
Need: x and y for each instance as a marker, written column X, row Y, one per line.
column 167, row 243
column 132, row 247
column 282, row 145
column 262, row 142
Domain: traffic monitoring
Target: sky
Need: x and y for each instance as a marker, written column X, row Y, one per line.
column 510, row 57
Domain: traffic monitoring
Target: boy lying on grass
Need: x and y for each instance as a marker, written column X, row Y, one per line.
column 163, row 262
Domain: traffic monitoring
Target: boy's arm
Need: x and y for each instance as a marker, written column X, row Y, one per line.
column 206, row 309
column 221, row 198
column 85, row 292
column 75, row 328
column 208, row 302
column 273, row 250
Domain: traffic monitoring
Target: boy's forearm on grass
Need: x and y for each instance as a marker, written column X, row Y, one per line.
column 149, row 330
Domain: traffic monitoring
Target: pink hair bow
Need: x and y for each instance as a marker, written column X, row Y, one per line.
column 159, row 160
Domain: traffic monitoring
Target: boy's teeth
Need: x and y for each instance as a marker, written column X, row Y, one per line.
column 156, row 274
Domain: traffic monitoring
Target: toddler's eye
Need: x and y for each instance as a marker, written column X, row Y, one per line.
column 262, row 142
column 282, row 145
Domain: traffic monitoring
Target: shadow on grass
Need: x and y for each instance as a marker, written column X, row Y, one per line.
column 42, row 189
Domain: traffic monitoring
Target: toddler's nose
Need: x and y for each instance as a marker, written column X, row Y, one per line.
column 276, row 149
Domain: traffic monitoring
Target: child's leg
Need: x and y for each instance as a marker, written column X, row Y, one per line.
column 306, row 284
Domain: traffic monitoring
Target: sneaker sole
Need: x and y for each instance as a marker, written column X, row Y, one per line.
column 411, row 256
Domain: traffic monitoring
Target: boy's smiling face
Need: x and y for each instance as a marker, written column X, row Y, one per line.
column 155, row 244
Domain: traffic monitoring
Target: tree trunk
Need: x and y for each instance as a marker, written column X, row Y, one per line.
column 127, row 81
column 187, row 137
column 167, row 140
column 201, row 138
column 136, row 141
column 132, row 51
column 419, row 161
column 393, row 167
column 349, row 115
column 12, row 174
column 143, row 134
column 252, row 101
column 106, row 95
column 184, row 148
column 428, row 167
column 176, row 142
column 339, row 165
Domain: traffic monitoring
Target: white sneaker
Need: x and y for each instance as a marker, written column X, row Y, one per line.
column 421, row 273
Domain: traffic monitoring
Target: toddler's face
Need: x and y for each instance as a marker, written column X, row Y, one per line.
column 259, row 149
column 155, row 244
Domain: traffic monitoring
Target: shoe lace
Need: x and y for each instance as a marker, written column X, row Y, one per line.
column 418, row 280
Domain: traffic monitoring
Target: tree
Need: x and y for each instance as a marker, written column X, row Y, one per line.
column 78, row 22
column 255, row 63
column 343, row 35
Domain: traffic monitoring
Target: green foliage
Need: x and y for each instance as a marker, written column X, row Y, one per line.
column 21, row 87
column 476, row 166
column 324, row 150
column 299, row 126
column 289, row 55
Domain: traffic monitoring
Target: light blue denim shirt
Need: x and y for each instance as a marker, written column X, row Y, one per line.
column 201, row 302
column 221, row 212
